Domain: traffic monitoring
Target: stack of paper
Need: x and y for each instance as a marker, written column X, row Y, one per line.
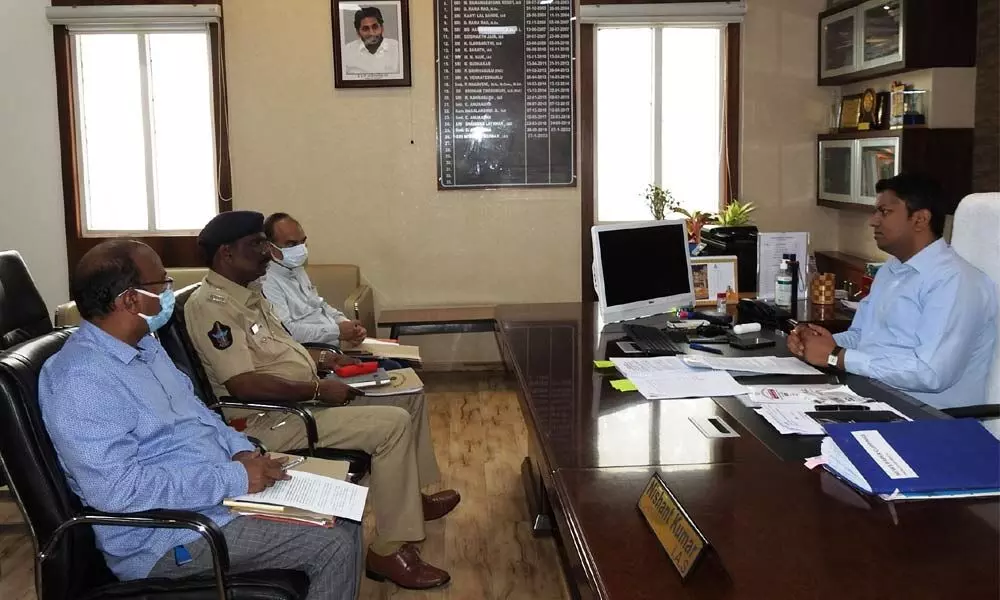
column 791, row 419
column 385, row 349
column 667, row 377
column 800, row 394
column 315, row 494
column 760, row 365
column 918, row 460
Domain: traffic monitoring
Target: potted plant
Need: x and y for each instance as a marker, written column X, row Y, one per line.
column 660, row 201
column 695, row 222
column 736, row 214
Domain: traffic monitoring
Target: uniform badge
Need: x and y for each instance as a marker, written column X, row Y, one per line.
column 221, row 336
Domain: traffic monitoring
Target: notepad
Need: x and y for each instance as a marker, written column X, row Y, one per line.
column 624, row 385
column 603, row 364
column 314, row 493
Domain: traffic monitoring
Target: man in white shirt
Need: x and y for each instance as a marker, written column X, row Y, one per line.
column 308, row 318
column 371, row 53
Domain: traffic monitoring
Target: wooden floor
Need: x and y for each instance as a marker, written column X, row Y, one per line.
column 486, row 543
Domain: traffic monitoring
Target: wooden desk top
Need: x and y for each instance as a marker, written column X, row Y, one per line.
column 781, row 531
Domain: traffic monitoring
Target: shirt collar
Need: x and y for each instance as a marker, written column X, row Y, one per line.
column 117, row 348
column 364, row 49
column 243, row 295
column 925, row 259
column 279, row 270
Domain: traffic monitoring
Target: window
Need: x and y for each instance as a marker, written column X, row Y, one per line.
column 145, row 152
column 658, row 110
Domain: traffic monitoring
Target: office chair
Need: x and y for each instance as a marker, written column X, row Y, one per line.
column 175, row 340
column 68, row 564
column 23, row 314
column 974, row 238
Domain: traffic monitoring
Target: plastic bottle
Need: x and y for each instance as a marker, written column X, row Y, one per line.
column 783, row 285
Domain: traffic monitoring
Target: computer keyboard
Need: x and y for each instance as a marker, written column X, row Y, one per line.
column 651, row 340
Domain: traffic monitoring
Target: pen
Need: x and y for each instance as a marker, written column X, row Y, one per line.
column 704, row 348
column 842, row 407
column 293, row 463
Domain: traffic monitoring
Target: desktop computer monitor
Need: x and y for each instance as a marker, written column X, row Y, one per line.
column 641, row 269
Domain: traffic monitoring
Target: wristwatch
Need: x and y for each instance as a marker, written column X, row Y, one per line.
column 834, row 359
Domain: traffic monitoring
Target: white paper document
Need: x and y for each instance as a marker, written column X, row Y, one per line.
column 801, row 394
column 688, row 384
column 315, row 493
column 791, row 419
column 762, row 365
column 645, row 367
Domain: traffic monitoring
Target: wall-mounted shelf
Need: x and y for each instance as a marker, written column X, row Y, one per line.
column 864, row 39
column 850, row 163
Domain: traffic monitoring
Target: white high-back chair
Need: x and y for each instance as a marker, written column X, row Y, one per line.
column 976, row 238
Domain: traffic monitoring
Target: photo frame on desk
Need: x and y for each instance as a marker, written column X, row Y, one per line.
column 711, row 276
column 371, row 43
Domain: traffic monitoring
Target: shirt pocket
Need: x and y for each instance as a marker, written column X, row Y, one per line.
column 262, row 345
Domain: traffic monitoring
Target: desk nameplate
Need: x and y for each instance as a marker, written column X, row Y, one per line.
column 678, row 535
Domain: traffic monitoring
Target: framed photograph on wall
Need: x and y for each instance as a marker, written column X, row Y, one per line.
column 371, row 43
column 711, row 276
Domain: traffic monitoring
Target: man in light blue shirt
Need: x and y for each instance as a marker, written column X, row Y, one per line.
column 132, row 436
column 306, row 315
column 928, row 327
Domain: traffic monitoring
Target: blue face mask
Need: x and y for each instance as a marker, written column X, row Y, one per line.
column 166, row 309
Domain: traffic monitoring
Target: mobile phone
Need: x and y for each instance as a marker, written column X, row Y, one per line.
column 750, row 342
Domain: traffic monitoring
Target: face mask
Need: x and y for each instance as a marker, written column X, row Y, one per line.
column 166, row 309
column 294, row 257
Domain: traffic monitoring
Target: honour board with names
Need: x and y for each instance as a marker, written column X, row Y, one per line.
column 505, row 93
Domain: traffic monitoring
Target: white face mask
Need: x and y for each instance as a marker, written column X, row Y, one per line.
column 293, row 257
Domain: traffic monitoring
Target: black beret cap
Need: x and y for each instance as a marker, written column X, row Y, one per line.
column 228, row 227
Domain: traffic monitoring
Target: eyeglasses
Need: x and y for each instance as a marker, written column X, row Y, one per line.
column 168, row 283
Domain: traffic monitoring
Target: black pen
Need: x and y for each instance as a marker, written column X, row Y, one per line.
column 842, row 407
column 704, row 348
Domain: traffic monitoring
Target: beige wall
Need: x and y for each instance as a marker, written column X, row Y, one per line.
column 783, row 110
column 342, row 161
column 31, row 205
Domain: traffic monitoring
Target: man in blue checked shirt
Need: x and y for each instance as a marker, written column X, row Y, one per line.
column 928, row 327
column 131, row 436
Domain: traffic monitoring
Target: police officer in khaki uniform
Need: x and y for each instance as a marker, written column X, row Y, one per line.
column 249, row 354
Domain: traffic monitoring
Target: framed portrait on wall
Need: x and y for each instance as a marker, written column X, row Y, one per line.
column 371, row 43
column 711, row 276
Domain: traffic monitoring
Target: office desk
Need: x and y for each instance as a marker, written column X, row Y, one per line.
column 780, row 531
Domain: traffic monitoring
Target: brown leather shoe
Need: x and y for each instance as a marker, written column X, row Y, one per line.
column 439, row 504
column 405, row 568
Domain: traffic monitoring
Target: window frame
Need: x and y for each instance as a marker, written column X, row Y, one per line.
column 176, row 249
column 148, row 133
column 730, row 164
column 657, row 99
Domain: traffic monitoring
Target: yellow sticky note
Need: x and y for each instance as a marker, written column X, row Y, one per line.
column 604, row 364
column 624, row 385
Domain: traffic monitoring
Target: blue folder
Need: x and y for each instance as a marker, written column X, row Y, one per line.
column 947, row 455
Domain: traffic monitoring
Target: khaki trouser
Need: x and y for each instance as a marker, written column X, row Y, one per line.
column 395, row 431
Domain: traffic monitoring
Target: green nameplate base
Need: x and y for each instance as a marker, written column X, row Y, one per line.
column 675, row 530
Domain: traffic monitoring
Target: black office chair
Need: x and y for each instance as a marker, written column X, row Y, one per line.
column 175, row 340
column 23, row 314
column 68, row 565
